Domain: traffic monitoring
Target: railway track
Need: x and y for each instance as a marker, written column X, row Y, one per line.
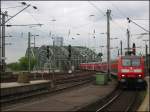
column 63, row 86
column 59, row 77
column 118, row 100
column 123, row 101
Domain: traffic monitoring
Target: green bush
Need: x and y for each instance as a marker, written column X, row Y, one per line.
column 22, row 64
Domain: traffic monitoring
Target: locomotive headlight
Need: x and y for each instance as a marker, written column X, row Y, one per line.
column 122, row 75
column 140, row 75
column 124, row 70
column 137, row 70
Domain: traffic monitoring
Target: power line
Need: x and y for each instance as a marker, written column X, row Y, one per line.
column 122, row 13
column 129, row 20
column 141, row 19
column 141, row 34
column 25, row 25
column 33, row 17
column 17, row 13
column 113, row 21
column 97, row 8
column 12, row 7
column 25, row 4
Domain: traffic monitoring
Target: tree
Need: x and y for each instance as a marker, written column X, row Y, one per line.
column 22, row 64
column 14, row 66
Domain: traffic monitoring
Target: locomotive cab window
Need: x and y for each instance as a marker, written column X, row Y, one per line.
column 131, row 62
column 126, row 62
column 135, row 62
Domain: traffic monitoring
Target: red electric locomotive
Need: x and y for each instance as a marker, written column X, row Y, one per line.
column 131, row 70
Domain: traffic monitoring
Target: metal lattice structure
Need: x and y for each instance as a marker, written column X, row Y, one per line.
column 59, row 57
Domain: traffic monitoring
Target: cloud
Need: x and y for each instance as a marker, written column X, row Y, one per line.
column 73, row 15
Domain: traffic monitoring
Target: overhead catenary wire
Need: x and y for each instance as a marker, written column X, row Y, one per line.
column 137, row 24
column 104, row 14
column 24, row 25
column 11, row 7
column 130, row 21
column 33, row 17
column 36, row 21
column 113, row 21
column 121, row 12
column 124, row 15
column 98, row 9
column 123, row 29
column 73, row 28
column 140, row 19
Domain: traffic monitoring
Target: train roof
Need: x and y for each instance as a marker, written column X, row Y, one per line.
column 131, row 56
column 91, row 63
column 99, row 62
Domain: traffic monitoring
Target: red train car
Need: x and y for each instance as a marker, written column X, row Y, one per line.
column 128, row 69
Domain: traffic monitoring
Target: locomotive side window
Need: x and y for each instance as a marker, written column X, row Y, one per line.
column 135, row 62
column 126, row 62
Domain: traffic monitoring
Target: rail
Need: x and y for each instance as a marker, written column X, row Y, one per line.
column 64, row 85
column 124, row 105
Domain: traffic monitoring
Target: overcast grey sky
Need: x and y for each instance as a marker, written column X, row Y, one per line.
column 74, row 16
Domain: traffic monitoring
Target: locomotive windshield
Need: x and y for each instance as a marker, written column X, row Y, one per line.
column 126, row 62
column 135, row 62
column 130, row 62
